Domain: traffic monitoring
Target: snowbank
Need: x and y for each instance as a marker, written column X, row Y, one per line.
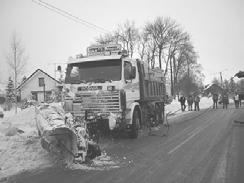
column 10, row 113
column 175, row 108
column 205, row 102
column 23, row 152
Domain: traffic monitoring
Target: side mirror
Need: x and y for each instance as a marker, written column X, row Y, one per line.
column 133, row 72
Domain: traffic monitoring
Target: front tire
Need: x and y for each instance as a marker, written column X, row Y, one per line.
column 136, row 121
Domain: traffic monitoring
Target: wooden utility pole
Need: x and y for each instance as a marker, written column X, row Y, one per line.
column 221, row 79
column 15, row 77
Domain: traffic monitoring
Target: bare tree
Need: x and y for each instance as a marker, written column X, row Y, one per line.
column 161, row 43
column 147, row 49
column 159, row 32
column 16, row 59
column 128, row 35
column 107, row 39
column 143, row 40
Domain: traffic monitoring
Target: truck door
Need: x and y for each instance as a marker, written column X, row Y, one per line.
column 131, row 85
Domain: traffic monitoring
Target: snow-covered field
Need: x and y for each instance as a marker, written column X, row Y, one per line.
column 22, row 151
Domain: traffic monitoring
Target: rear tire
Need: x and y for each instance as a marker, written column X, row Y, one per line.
column 136, row 121
column 159, row 108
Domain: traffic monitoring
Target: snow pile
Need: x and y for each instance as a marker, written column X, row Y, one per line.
column 21, row 151
column 173, row 106
column 24, row 120
column 10, row 113
column 205, row 102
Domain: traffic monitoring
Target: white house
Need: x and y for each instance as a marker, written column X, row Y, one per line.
column 38, row 86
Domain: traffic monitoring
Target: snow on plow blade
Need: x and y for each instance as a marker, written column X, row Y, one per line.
column 61, row 141
column 61, row 136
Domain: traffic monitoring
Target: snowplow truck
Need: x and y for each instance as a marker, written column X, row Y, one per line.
column 119, row 92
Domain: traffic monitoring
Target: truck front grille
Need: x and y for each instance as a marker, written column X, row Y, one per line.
column 102, row 102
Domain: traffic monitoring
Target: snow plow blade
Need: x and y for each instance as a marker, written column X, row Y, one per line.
column 60, row 135
column 61, row 141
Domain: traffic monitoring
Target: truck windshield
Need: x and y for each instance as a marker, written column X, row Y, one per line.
column 95, row 71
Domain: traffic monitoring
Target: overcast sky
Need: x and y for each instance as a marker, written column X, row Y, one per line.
column 216, row 28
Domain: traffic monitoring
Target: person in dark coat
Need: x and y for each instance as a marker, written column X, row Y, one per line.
column 182, row 103
column 196, row 103
column 215, row 100
column 225, row 100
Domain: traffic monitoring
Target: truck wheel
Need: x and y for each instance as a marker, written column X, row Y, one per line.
column 162, row 114
column 159, row 113
column 135, row 125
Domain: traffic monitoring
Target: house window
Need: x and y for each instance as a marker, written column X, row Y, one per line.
column 41, row 82
column 34, row 96
column 48, row 95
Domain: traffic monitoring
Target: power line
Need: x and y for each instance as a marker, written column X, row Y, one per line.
column 55, row 11
column 69, row 15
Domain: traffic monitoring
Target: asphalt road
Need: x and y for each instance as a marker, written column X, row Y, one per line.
column 201, row 147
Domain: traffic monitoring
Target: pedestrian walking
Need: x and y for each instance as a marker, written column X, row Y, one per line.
column 236, row 100
column 196, row 103
column 225, row 100
column 215, row 100
column 189, row 102
column 182, row 101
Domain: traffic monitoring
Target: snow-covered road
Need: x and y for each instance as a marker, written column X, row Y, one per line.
column 23, row 152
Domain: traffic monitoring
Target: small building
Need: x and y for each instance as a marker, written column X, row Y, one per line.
column 213, row 89
column 38, row 86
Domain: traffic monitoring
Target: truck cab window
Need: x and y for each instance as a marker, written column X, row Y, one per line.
column 127, row 70
column 94, row 71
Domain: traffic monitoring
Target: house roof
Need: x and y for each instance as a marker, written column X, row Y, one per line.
column 25, row 81
column 213, row 88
